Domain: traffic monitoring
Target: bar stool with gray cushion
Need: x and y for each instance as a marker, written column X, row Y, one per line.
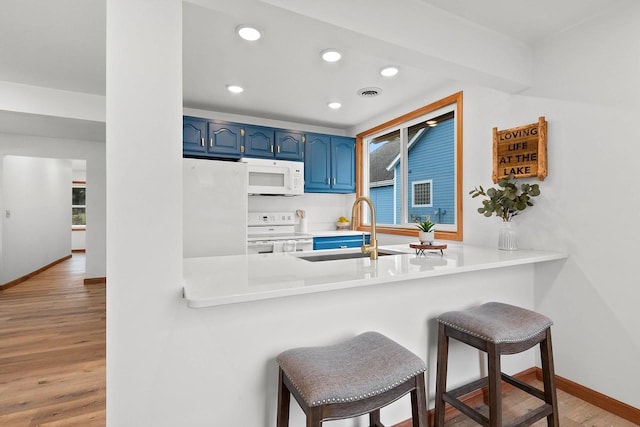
column 356, row 377
column 496, row 329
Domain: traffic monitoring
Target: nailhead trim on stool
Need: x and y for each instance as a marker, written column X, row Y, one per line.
column 352, row 378
column 496, row 329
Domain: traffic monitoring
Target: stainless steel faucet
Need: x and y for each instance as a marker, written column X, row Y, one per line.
column 372, row 247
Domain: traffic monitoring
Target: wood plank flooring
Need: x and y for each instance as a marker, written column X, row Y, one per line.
column 573, row 411
column 52, row 349
column 52, row 358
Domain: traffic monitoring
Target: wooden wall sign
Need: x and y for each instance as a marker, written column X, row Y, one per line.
column 520, row 151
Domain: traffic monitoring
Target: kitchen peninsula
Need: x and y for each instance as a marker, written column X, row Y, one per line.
column 242, row 310
column 215, row 281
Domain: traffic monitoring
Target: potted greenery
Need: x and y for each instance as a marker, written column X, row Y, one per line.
column 427, row 232
column 505, row 202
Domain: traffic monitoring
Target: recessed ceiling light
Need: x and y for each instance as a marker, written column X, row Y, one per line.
column 389, row 71
column 235, row 89
column 432, row 123
column 334, row 105
column 248, row 33
column 331, row 55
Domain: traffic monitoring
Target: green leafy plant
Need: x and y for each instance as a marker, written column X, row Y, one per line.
column 426, row 226
column 506, row 201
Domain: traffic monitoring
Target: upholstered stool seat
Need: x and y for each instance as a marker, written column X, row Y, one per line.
column 356, row 377
column 496, row 329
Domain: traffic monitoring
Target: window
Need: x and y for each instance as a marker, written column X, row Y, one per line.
column 411, row 169
column 421, row 194
column 78, row 205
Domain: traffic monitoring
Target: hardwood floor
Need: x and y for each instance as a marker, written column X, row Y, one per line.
column 573, row 411
column 52, row 357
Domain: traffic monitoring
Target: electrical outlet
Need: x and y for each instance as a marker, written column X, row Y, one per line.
column 7, row 213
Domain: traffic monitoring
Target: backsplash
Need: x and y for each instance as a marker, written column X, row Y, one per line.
column 321, row 210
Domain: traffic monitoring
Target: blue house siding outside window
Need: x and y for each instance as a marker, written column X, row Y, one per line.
column 432, row 159
column 382, row 199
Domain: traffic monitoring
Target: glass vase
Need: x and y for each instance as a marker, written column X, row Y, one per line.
column 508, row 237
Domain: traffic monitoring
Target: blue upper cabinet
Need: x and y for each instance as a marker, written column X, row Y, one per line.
column 343, row 164
column 329, row 165
column 270, row 143
column 317, row 164
column 259, row 141
column 206, row 138
column 194, row 136
column 225, row 139
column 289, row 145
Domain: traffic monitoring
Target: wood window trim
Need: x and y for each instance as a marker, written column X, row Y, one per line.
column 455, row 98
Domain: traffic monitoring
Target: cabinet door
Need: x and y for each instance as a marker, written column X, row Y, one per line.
column 289, row 145
column 339, row 242
column 343, row 164
column 259, row 141
column 194, row 136
column 225, row 139
column 317, row 163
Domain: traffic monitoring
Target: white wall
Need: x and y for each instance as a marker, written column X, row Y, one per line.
column 78, row 240
column 36, row 214
column 94, row 154
column 144, row 206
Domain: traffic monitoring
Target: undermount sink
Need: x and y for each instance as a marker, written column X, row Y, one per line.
column 334, row 256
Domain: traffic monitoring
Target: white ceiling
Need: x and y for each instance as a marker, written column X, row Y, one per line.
column 61, row 44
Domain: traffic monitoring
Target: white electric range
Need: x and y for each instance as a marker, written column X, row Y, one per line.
column 269, row 232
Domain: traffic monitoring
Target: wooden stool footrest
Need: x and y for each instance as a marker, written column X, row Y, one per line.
column 468, row 388
column 532, row 416
column 523, row 386
column 465, row 409
column 452, row 398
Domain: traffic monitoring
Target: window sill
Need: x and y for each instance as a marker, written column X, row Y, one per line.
column 412, row 231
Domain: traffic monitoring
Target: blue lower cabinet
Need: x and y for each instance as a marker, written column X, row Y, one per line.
column 339, row 242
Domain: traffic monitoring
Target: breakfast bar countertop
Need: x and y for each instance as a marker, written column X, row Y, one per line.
column 212, row 281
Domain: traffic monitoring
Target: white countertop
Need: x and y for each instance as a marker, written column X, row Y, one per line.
column 338, row 233
column 212, row 281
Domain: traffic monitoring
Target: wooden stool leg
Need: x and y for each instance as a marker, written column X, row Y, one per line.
column 374, row 418
column 284, row 398
column 314, row 418
column 419, row 403
column 549, row 379
column 495, row 386
column 441, row 374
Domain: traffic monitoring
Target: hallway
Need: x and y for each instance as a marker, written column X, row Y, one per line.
column 52, row 336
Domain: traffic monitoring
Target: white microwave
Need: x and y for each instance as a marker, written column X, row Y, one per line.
column 274, row 177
